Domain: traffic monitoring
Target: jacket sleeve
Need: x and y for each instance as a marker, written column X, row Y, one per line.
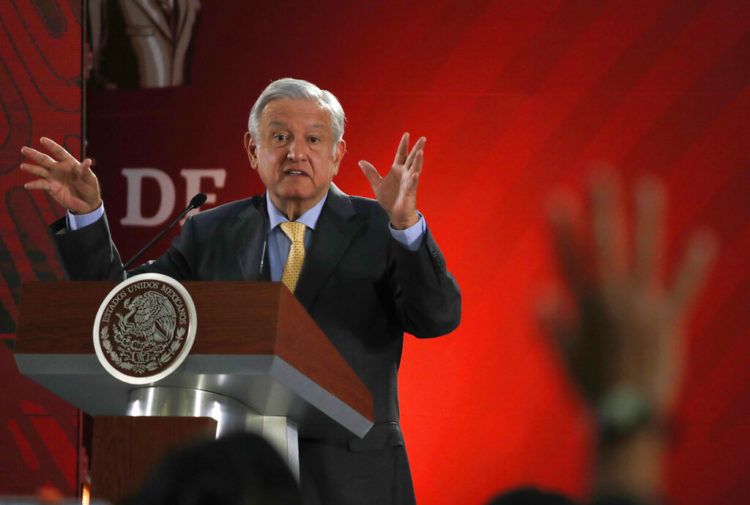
column 90, row 254
column 426, row 293
column 87, row 253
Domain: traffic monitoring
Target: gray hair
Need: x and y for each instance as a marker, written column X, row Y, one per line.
column 298, row 89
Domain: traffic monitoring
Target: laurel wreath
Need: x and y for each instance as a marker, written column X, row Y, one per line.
column 138, row 368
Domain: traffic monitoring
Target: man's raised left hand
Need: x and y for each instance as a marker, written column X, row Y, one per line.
column 397, row 191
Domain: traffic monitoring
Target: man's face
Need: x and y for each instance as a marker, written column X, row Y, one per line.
column 294, row 154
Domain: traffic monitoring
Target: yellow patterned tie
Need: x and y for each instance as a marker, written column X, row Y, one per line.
column 296, row 233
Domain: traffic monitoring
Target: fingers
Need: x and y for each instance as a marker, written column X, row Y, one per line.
column 557, row 321
column 692, row 271
column 417, row 163
column 561, row 328
column 60, row 159
column 413, row 174
column 56, row 150
column 39, row 184
column 418, row 147
column 38, row 157
column 371, row 173
column 608, row 228
column 36, row 170
column 82, row 170
column 402, row 150
column 568, row 247
column 403, row 155
column 649, row 231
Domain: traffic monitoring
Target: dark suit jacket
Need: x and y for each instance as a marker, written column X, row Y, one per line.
column 362, row 288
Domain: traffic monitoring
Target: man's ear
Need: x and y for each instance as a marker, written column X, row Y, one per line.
column 252, row 150
column 339, row 155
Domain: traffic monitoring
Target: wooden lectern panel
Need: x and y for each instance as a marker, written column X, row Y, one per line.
column 126, row 449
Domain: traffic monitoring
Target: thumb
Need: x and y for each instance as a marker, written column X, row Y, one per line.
column 371, row 173
column 84, row 166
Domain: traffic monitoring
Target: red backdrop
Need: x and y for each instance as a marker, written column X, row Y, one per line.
column 516, row 99
column 40, row 93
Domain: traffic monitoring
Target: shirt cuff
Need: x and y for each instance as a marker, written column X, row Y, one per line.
column 78, row 221
column 411, row 237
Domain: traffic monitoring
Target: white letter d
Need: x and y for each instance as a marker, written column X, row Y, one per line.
column 133, row 216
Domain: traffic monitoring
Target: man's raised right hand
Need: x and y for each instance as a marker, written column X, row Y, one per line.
column 71, row 183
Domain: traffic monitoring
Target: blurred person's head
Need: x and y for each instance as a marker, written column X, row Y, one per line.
column 530, row 496
column 238, row 469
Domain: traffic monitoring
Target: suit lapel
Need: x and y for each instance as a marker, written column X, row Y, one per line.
column 334, row 231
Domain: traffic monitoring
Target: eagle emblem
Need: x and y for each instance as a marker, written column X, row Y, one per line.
column 143, row 326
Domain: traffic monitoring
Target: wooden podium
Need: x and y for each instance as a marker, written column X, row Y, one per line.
column 259, row 362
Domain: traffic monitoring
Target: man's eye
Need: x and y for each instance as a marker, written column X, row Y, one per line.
column 314, row 140
column 280, row 137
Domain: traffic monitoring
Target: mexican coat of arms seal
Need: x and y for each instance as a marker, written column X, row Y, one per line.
column 144, row 328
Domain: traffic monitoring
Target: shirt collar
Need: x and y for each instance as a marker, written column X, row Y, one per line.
column 309, row 218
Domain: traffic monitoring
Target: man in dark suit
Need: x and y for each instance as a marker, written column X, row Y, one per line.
column 371, row 269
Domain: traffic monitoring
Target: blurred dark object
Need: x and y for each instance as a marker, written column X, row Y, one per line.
column 238, row 469
column 530, row 496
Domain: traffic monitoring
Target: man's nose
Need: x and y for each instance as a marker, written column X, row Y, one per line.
column 297, row 151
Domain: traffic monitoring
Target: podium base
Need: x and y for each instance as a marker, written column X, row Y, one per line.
column 230, row 416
